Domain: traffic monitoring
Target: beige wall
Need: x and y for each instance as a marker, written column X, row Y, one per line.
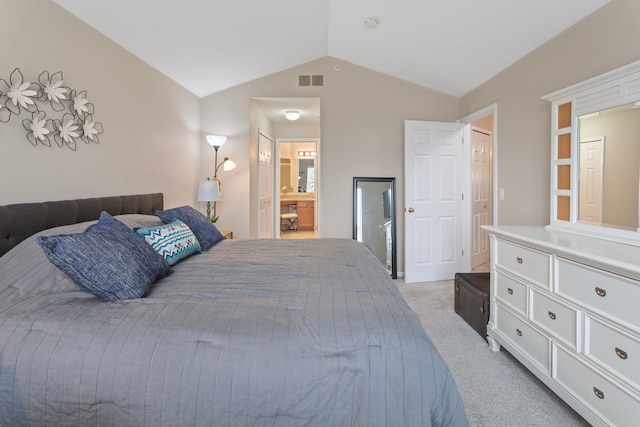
column 362, row 134
column 151, row 139
column 599, row 43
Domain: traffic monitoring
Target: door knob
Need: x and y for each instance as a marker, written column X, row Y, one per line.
column 411, row 210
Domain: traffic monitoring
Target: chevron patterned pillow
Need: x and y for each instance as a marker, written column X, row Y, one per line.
column 174, row 241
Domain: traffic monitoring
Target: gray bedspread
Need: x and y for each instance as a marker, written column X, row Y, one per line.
column 251, row 333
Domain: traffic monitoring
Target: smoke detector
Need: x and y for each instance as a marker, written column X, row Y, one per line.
column 371, row 22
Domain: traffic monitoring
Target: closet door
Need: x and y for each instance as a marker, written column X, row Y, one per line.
column 265, row 187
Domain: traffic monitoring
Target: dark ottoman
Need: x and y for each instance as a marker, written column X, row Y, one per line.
column 471, row 299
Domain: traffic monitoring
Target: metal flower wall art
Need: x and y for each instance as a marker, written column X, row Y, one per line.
column 71, row 113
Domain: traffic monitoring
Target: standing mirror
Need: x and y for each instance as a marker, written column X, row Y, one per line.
column 374, row 218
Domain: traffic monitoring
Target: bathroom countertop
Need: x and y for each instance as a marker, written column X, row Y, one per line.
column 294, row 197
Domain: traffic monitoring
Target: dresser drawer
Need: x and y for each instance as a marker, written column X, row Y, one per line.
column 616, row 405
column 511, row 292
column 556, row 317
column 525, row 262
column 611, row 295
column 522, row 335
column 613, row 349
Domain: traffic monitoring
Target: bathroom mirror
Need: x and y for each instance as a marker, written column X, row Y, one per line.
column 374, row 220
column 609, row 167
column 298, row 167
column 306, row 175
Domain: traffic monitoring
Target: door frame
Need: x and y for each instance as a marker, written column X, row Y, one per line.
column 469, row 119
column 276, row 182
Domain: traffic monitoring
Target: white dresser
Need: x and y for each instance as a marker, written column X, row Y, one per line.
column 567, row 306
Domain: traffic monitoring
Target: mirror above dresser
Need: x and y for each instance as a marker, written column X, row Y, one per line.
column 609, row 172
column 595, row 156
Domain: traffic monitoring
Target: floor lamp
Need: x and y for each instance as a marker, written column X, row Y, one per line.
column 217, row 141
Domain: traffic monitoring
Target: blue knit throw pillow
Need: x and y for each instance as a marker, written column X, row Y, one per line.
column 206, row 233
column 108, row 259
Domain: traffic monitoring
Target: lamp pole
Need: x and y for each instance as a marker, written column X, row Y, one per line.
column 215, row 177
column 209, row 207
column 215, row 174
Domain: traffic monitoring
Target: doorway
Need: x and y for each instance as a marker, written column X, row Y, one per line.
column 272, row 118
column 483, row 181
column 481, row 197
column 297, row 187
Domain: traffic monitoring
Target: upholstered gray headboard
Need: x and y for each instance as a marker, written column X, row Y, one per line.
column 19, row 221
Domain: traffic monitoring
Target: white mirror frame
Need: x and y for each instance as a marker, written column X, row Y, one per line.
column 612, row 89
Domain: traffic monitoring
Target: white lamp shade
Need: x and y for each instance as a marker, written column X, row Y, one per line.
column 216, row 140
column 229, row 165
column 209, row 191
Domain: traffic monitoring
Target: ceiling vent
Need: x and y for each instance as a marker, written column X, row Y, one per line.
column 308, row 80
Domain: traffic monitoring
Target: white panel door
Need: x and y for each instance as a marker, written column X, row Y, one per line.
column 433, row 200
column 265, row 187
column 481, row 200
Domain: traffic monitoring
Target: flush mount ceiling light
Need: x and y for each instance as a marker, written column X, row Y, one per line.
column 371, row 22
column 292, row 115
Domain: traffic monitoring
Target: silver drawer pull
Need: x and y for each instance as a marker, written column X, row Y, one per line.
column 621, row 353
column 519, row 332
column 519, row 260
column 510, row 291
column 552, row 315
column 598, row 393
column 601, row 292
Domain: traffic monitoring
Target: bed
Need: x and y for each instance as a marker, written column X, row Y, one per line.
column 268, row 332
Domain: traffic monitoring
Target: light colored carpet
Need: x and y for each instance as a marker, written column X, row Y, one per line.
column 497, row 390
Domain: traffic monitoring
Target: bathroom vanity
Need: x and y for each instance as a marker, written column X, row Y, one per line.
column 304, row 205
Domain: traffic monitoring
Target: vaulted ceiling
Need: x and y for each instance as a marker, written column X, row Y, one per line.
column 452, row 46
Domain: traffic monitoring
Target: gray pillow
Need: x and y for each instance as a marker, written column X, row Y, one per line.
column 206, row 233
column 108, row 259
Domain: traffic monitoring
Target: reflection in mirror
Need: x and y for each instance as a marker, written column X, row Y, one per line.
column 298, row 166
column 306, row 175
column 609, row 167
column 374, row 221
